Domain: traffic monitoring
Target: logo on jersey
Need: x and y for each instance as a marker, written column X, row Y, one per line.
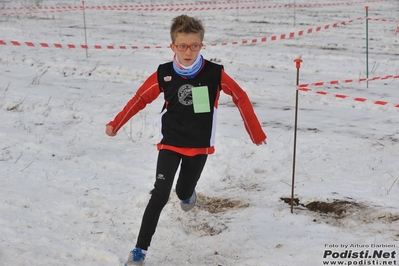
column 184, row 94
column 161, row 177
column 167, row 78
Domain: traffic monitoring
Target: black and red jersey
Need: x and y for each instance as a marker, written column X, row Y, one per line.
column 181, row 129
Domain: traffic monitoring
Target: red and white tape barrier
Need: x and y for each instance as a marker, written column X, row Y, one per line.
column 125, row 47
column 342, row 96
column 142, row 7
column 289, row 35
column 41, row 8
column 179, row 7
column 383, row 20
column 205, row 3
column 335, row 82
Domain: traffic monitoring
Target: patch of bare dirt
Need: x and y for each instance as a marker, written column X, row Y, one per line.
column 217, row 205
column 210, row 225
column 335, row 208
column 340, row 208
column 346, row 213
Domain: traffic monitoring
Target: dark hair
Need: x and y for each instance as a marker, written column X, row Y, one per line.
column 186, row 24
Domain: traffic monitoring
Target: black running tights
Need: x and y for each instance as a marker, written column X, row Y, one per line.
column 167, row 165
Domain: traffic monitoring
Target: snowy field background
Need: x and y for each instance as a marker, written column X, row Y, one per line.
column 70, row 195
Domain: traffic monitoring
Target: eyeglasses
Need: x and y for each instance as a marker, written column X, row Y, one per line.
column 193, row 47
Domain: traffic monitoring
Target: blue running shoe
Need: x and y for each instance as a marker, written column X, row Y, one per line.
column 188, row 204
column 136, row 257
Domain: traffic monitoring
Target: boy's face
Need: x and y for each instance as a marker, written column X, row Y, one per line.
column 184, row 45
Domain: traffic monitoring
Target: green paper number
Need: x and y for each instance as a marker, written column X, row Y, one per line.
column 201, row 99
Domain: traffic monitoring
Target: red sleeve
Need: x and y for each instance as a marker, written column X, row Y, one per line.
column 147, row 93
column 244, row 105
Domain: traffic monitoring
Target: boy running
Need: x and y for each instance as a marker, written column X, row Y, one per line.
column 191, row 87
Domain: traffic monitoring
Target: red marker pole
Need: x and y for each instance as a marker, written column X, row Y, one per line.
column 298, row 66
column 84, row 26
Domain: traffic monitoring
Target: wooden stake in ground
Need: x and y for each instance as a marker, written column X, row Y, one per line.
column 298, row 65
column 367, row 44
column 84, row 26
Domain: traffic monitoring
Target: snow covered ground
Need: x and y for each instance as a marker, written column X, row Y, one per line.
column 70, row 195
